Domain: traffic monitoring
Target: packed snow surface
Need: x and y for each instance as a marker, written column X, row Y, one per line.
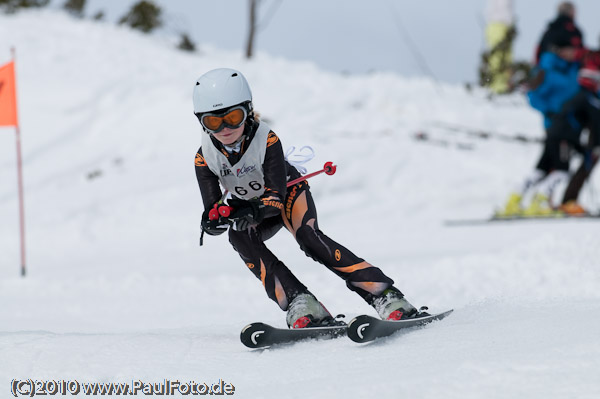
column 118, row 290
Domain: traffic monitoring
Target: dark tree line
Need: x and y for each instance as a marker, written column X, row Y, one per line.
column 146, row 16
column 11, row 6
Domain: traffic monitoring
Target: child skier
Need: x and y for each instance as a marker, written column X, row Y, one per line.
column 242, row 154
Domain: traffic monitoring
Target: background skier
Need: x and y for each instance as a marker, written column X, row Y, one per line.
column 554, row 82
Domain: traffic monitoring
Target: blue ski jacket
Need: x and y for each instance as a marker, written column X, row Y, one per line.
column 558, row 85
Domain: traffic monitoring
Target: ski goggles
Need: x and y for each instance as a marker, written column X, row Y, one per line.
column 231, row 118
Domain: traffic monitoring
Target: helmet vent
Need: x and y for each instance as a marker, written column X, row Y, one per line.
column 234, row 75
column 197, row 83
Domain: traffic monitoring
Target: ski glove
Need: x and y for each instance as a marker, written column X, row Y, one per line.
column 213, row 227
column 245, row 213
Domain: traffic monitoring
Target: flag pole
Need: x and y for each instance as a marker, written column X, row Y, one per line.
column 21, row 201
column 20, row 183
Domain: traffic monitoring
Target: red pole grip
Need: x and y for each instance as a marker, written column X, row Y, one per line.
column 218, row 211
column 213, row 214
column 225, row 210
column 329, row 168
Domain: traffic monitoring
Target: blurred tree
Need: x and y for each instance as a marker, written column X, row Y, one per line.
column 144, row 16
column 75, row 7
column 11, row 6
column 186, row 43
column 99, row 16
column 252, row 29
column 254, row 25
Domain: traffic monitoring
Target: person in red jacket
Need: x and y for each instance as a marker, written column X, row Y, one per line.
column 242, row 154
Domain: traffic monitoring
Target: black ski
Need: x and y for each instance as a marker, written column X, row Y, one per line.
column 427, row 138
column 260, row 335
column 496, row 219
column 366, row 328
column 486, row 134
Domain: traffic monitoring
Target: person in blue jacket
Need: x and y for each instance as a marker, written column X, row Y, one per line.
column 558, row 83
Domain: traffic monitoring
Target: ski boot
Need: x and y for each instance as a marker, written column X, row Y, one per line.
column 573, row 208
column 512, row 207
column 540, row 206
column 391, row 305
column 306, row 311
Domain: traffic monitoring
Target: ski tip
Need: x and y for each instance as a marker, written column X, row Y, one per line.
column 260, row 335
column 444, row 314
column 439, row 316
column 365, row 328
column 253, row 334
column 359, row 328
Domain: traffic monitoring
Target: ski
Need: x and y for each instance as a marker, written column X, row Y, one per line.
column 366, row 328
column 487, row 134
column 497, row 219
column 427, row 138
column 261, row 335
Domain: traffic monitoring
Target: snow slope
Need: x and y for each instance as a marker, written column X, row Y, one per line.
column 118, row 290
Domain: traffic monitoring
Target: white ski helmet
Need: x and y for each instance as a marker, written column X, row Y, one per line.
column 220, row 89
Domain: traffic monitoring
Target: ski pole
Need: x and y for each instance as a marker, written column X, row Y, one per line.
column 225, row 210
column 329, row 168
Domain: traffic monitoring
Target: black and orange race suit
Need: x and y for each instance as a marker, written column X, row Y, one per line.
column 294, row 208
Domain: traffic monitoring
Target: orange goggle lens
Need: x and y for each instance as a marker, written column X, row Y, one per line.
column 232, row 119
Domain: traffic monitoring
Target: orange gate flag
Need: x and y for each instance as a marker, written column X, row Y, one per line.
column 8, row 95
